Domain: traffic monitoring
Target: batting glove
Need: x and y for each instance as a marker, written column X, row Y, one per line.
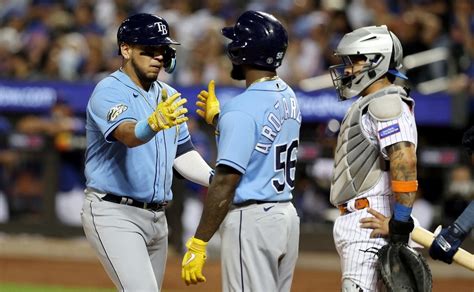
column 168, row 113
column 447, row 243
column 193, row 261
column 208, row 104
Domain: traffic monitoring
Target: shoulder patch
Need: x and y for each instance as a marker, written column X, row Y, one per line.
column 116, row 111
column 390, row 130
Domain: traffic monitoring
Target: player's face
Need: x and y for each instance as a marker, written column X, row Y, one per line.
column 355, row 65
column 147, row 61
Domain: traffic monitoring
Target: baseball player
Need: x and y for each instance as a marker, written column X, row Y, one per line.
column 249, row 197
column 448, row 241
column 136, row 133
column 375, row 158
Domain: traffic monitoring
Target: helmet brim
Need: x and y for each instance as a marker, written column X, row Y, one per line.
column 397, row 74
column 172, row 41
column 159, row 42
column 229, row 32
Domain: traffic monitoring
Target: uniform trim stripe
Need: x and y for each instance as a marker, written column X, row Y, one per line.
column 184, row 148
column 166, row 167
column 232, row 164
column 157, row 158
column 185, row 138
column 103, row 247
column 114, row 126
column 240, row 253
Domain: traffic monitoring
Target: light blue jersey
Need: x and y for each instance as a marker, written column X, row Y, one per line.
column 143, row 173
column 259, row 137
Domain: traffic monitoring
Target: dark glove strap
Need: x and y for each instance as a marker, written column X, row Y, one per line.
column 447, row 243
column 468, row 140
column 399, row 231
column 457, row 232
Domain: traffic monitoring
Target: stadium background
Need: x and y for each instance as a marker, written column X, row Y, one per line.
column 53, row 52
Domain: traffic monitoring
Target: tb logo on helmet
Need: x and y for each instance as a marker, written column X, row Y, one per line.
column 161, row 27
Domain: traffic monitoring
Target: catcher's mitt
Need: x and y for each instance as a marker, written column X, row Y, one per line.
column 403, row 269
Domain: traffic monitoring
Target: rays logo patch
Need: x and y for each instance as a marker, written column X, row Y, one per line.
column 388, row 131
column 115, row 112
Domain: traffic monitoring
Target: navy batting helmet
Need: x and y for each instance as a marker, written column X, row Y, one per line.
column 148, row 30
column 258, row 38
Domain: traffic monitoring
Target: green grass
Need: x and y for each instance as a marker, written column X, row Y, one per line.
column 10, row 287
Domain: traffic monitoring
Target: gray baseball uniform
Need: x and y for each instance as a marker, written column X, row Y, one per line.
column 123, row 214
column 260, row 234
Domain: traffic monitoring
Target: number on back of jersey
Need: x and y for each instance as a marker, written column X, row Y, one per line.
column 285, row 165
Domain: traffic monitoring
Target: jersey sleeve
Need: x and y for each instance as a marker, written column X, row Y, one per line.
column 402, row 129
column 183, row 135
column 237, row 140
column 108, row 108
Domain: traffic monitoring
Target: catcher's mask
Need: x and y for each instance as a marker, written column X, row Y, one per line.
column 382, row 52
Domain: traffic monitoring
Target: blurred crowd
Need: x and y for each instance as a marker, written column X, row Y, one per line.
column 76, row 39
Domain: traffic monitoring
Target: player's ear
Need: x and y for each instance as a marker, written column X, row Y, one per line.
column 125, row 51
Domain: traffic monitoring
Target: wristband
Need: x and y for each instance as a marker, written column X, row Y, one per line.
column 399, row 186
column 196, row 244
column 143, row 131
column 399, row 231
column 401, row 212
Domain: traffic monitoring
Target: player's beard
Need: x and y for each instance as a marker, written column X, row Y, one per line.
column 237, row 72
column 143, row 76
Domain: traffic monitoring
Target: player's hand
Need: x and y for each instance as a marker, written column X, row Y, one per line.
column 193, row 261
column 379, row 224
column 447, row 243
column 208, row 104
column 168, row 113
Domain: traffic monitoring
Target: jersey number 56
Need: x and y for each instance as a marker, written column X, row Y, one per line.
column 285, row 161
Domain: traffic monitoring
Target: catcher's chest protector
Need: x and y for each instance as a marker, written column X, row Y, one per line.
column 358, row 164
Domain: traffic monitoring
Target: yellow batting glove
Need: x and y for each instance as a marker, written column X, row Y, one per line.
column 168, row 113
column 208, row 104
column 193, row 261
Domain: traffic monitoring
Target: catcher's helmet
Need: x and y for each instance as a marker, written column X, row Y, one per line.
column 258, row 39
column 148, row 30
column 382, row 51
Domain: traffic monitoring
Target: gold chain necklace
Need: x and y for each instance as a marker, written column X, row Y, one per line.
column 263, row 79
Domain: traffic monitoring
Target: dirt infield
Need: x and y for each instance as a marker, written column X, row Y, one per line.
column 90, row 274
column 73, row 265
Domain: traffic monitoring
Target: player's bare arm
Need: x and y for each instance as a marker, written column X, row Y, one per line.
column 403, row 168
column 125, row 133
column 219, row 197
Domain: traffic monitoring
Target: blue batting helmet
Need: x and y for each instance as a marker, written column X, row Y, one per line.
column 258, row 38
column 148, row 30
